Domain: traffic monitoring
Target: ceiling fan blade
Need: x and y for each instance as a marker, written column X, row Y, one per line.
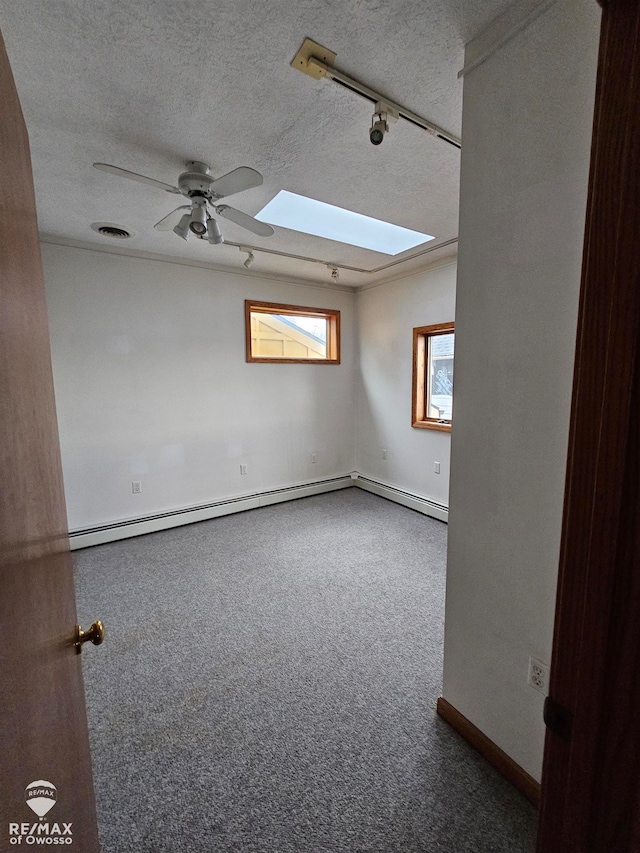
column 242, row 178
column 167, row 222
column 245, row 221
column 133, row 176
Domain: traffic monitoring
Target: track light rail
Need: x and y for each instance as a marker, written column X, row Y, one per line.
column 317, row 61
column 331, row 265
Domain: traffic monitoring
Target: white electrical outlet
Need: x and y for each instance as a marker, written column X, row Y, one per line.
column 314, row 458
column 538, row 675
column 436, row 467
column 136, row 487
column 384, row 454
column 243, row 469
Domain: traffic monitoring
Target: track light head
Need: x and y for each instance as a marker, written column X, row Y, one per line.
column 377, row 130
column 383, row 114
column 335, row 275
column 198, row 219
column 250, row 259
column 182, row 229
column 214, row 235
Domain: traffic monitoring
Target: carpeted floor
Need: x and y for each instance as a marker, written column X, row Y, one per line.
column 268, row 685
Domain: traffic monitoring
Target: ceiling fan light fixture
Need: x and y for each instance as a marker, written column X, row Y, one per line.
column 250, row 259
column 182, row 229
column 214, row 235
column 198, row 220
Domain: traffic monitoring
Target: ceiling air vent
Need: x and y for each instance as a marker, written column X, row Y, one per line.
column 108, row 229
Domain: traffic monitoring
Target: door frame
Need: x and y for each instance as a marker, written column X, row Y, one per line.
column 590, row 798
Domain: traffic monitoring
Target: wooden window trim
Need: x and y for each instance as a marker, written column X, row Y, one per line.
column 418, row 397
column 332, row 316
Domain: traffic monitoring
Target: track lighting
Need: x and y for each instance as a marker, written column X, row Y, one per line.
column 214, row 235
column 182, row 229
column 198, row 220
column 250, row 259
column 380, row 119
column 378, row 129
column 318, row 62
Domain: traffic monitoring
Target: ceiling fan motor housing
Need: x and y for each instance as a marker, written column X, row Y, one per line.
column 196, row 181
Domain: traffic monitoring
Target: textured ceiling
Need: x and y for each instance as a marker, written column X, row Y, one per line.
column 147, row 86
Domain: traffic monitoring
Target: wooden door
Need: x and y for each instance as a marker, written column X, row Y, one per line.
column 591, row 775
column 43, row 725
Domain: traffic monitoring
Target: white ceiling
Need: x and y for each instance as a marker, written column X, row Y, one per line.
column 147, row 86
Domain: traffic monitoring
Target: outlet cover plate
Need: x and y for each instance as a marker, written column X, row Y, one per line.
column 538, row 676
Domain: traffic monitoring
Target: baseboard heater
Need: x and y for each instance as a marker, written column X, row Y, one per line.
column 112, row 532
column 127, row 528
column 393, row 493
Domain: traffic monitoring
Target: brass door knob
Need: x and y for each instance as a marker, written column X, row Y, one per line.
column 95, row 634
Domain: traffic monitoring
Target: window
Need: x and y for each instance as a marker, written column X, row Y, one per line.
column 291, row 333
column 433, row 376
column 309, row 216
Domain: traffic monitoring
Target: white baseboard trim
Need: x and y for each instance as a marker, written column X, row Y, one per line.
column 393, row 493
column 114, row 531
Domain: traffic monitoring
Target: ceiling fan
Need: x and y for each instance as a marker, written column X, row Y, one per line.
column 202, row 189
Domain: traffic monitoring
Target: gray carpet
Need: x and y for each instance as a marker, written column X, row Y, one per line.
column 268, row 685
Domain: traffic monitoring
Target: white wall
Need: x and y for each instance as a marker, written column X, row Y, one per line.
column 526, row 134
column 387, row 315
column 151, row 384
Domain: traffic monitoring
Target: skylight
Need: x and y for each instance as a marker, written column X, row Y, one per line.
column 335, row 223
